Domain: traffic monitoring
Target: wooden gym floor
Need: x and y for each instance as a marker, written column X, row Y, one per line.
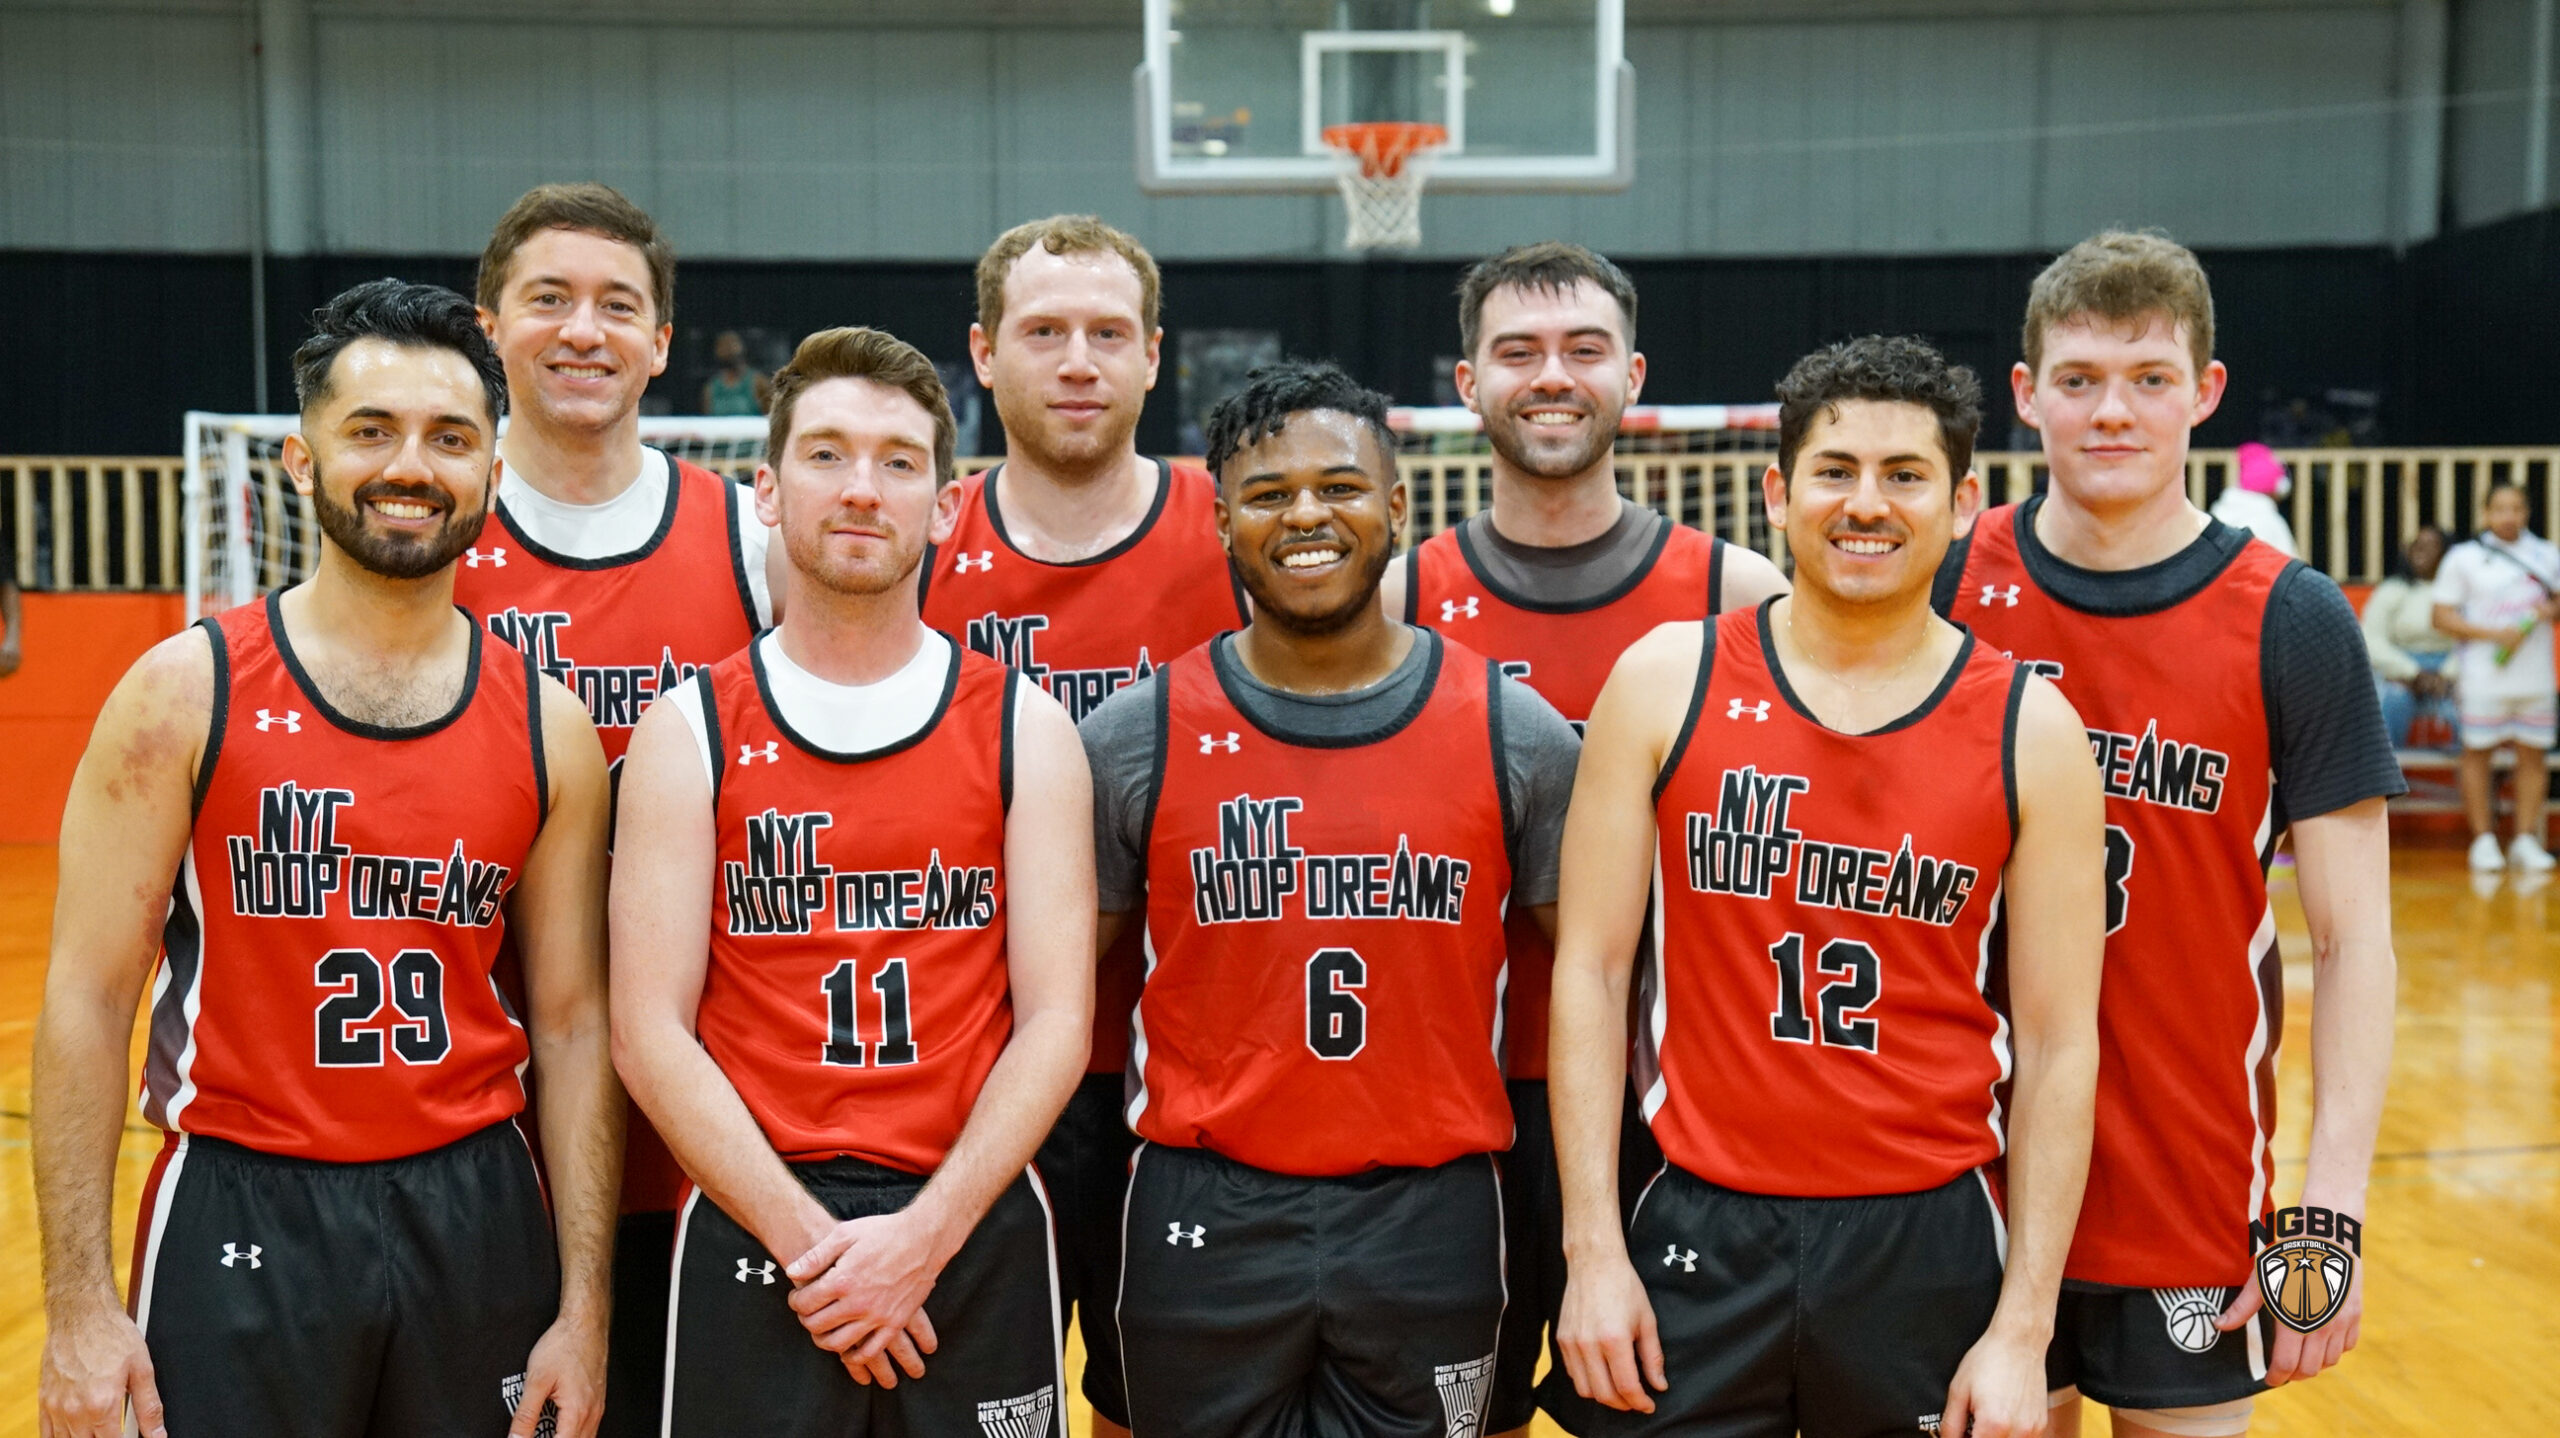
column 2462, row 1234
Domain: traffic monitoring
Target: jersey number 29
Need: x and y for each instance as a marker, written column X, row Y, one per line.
column 355, row 981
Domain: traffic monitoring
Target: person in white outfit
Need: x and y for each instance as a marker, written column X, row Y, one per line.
column 2497, row 593
column 2258, row 481
column 2412, row 660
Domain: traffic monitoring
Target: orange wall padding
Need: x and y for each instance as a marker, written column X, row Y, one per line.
column 76, row 647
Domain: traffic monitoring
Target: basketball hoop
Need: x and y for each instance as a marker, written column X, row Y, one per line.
column 1385, row 163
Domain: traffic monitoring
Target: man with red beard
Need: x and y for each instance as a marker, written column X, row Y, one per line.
column 1084, row 567
column 1555, row 580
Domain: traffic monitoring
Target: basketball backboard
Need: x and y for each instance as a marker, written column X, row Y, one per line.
column 1236, row 94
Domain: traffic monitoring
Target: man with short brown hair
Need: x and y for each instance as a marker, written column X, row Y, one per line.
column 1085, row 567
column 2230, row 704
column 620, row 568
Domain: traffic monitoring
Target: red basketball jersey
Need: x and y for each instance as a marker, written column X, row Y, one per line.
column 618, row 633
column 1087, row 629
column 324, row 985
column 2191, row 1007
column 857, row 993
column 1324, row 933
column 1565, row 652
column 1822, row 1021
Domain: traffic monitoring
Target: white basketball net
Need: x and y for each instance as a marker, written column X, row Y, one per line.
column 1381, row 178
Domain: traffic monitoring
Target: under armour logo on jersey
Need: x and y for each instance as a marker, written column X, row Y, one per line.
column 233, row 1255
column 290, row 721
column 1735, row 709
column 984, row 559
column 1457, row 609
column 748, row 1270
column 495, row 557
column 1687, row 1258
column 1179, row 1235
column 771, row 753
column 2000, row 594
column 1211, row 743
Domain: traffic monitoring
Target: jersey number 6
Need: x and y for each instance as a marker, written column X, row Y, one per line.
column 355, row 977
column 1337, row 1022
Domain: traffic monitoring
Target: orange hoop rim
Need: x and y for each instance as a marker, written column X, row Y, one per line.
column 1382, row 146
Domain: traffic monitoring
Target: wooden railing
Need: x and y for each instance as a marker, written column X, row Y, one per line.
column 118, row 522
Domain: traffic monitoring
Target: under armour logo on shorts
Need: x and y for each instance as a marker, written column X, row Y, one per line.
column 1735, row 709
column 1211, row 743
column 1457, row 609
column 748, row 1270
column 495, row 557
column 2000, row 593
column 1686, row 1258
column 984, row 559
column 1180, row 1236
column 233, row 1255
column 290, row 721
column 771, row 753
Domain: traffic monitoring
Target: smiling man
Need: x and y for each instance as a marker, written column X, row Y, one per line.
column 1555, row 580
column 620, row 568
column 1319, row 822
column 323, row 814
column 2229, row 701
column 1084, row 566
column 853, row 932
column 1837, row 798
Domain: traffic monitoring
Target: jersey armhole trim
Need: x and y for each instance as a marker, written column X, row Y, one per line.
column 1004, row 739
column 711, row 738
column 737, row 515
column 1949, row 581
column 1697, row 702
column 1412, row 583
column 1156, row 764
column 2018, row 678
column 533, row 730
column 1501, row 761
column 216, row 722
column 1716, row 546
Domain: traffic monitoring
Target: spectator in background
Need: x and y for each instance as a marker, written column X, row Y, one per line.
column 732, row 388
column 11, row 626
column 2249, row 502
column 2412, row 659
column 2495, row 594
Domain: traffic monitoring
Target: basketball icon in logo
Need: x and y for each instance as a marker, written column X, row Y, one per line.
column 2190, row 1313
column 2306, row 1259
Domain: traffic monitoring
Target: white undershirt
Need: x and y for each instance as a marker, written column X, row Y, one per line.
column 624, row 523
column 845, row 718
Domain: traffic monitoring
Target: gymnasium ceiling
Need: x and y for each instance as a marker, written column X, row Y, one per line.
column 1106, row 14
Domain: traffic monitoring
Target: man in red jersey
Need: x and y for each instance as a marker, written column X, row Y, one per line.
column 322, row 813
column 853, row 930
column 1084, row 566
column 620, row 568
column 1319, row 822
column 1838, row 800
column 2228, row 699
column 1555, row 581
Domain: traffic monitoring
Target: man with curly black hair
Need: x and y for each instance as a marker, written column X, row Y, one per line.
column 1838, row 800
column 1320, row 820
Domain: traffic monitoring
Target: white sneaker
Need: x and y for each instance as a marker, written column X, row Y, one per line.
column 2528, row 856
column 2486, row 856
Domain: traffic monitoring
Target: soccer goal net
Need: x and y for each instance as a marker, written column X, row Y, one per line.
column 248, row 532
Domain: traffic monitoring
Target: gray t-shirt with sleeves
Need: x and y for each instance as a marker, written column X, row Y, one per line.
column 1540, row 751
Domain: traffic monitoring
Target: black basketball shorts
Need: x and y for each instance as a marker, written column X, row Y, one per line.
column 291, row 1298
column 635, row 1376
column 1830, row 1317
column 739, row 1362
column 1263, row 1305
column 1085, row 1164
column 1533, row 1246
column 2152, row 1348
